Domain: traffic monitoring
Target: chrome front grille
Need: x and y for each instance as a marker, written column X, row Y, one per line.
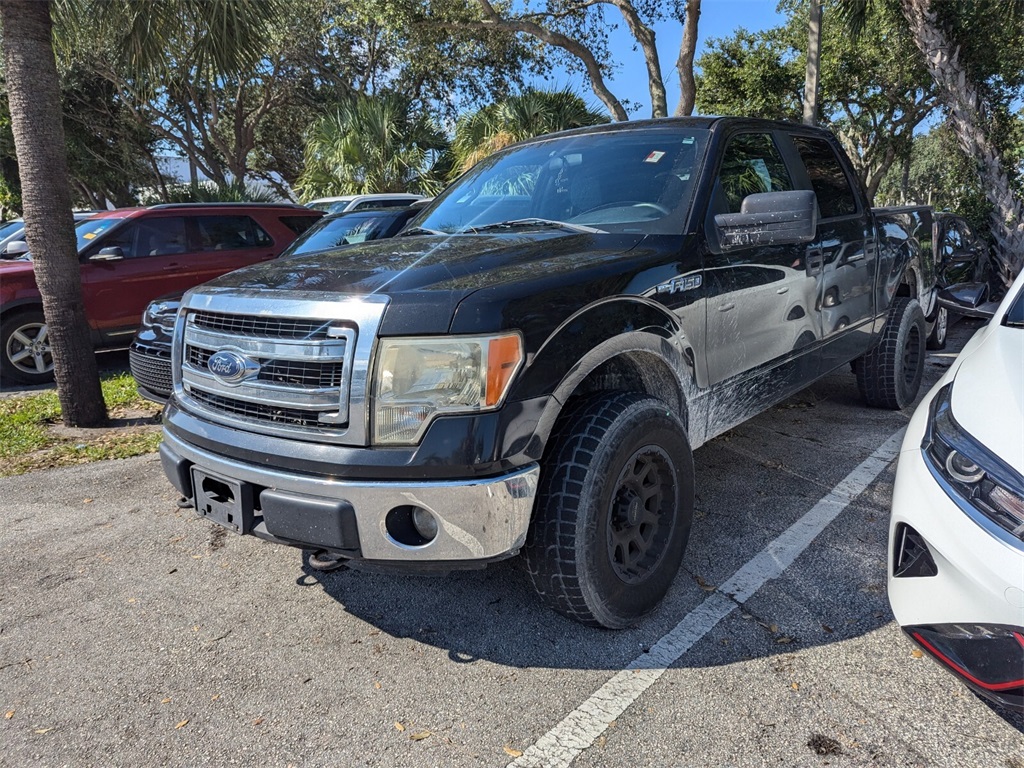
column 266, row 327
column 295, row 367
column 270, row 414
column 297, row 373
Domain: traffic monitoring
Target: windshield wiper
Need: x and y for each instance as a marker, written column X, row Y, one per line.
column 534, row 223
column 420, row 231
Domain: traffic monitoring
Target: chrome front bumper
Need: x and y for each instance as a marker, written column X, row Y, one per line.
column 478, row 519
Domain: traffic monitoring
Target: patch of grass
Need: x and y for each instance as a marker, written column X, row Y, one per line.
column 31, row 436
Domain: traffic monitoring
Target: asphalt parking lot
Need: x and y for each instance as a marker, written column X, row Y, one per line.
column 133, row 633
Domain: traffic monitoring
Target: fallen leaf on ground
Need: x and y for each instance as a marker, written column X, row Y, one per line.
column 704, row 585
column 378, row 686
column 43, row 730
column 795, row 686
column 783, row 640
column 181, row 725
column 8, row 714
column 215, row 697
column 399, row 726
column 512, row 752
column 165, row 701
column 257, row 721
column 87, row 501
column 419, row 735
column 917, row 653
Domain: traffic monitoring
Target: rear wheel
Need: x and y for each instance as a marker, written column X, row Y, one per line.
column 26, row 356
column 889, row 376
column 613, row 511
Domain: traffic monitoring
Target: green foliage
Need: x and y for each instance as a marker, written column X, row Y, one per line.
column 873, row 90
column 937, row 174
column 757, row 74
column 515, row 118
column 373, row 144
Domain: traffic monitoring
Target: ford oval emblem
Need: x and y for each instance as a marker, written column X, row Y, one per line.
column 230, row 367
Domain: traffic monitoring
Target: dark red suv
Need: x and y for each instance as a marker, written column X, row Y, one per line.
column 131, row 256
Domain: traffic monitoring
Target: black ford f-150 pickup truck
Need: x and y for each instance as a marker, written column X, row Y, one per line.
column 529, row 366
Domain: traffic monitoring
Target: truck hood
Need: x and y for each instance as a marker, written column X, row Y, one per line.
column 455, row 265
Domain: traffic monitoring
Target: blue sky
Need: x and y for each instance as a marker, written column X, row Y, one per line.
column 718, row 18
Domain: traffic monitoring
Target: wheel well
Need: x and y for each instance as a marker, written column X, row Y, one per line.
column 636, row 372
column 908, row 286
column 17, row 309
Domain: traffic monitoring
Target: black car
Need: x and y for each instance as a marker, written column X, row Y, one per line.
column 961, row 274
column 150, row 352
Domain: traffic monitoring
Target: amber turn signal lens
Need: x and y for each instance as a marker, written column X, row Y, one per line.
column 504, row 354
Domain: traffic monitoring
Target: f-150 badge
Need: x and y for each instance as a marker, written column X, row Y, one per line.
column 682, row 283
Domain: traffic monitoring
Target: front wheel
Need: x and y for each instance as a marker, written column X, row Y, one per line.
column 613, row 512
column 889, row 376
column 26, row 356
column 938, row 328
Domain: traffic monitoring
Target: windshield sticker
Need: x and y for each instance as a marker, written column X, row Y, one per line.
column 89, row 235
column 654, row 157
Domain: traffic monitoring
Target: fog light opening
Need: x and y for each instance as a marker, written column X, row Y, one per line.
column 411, row 526
column 911, row 556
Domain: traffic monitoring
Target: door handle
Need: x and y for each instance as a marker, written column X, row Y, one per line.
column 726, row 307
column 782, row 290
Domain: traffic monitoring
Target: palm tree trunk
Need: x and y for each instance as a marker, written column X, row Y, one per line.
column 813, row 71
column 966, row 112
column 34, row 94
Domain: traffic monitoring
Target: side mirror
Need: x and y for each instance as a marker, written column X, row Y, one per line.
column 110, row 253
column 968, row 299
column 770, row 218
column 16, row 248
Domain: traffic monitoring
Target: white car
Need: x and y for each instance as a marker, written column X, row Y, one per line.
column 346, row 203
column 956, row 538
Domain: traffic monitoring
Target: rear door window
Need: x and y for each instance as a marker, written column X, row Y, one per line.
column 828, row 179
column 229, row 233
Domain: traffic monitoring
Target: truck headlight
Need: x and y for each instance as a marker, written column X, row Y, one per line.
column 972, row 471
column 417, row 379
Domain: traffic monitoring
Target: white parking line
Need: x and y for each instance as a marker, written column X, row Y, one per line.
column 581, row 727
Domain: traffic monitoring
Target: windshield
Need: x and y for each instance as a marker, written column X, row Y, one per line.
column 637, row 180
column 9, row 229
column 88, row 230
column 343, row 230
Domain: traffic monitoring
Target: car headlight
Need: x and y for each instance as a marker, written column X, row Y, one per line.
column 972, row 471
column 417, row 379
column 162, row 314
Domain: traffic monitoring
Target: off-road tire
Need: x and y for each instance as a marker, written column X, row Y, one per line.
column 616, row 483
column 938, row 329
column 15, row 328
column 889, row 376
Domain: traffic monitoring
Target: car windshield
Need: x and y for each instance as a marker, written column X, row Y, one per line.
column 88, row 230
column 638, row 180
column 11, row 228
column 342, row 230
